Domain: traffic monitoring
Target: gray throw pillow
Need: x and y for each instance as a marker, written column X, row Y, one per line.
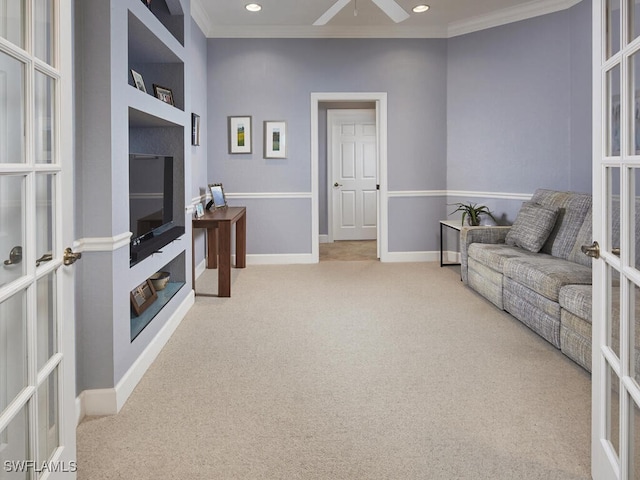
column 532, row 227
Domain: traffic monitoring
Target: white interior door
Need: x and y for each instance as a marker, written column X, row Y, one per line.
column 37, row 362
column 353, row 174
column 616, row 228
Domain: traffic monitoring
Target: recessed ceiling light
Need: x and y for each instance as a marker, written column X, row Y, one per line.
column 253, row 7
column 420, row 8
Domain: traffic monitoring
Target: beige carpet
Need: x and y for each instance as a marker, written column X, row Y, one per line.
column 349, row 250
column 348, row 370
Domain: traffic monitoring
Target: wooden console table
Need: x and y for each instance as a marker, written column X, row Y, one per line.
column 218, row 224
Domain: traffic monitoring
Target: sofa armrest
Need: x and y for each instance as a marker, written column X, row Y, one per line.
column 482, row 234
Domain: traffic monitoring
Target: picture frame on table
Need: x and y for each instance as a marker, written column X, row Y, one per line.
column 138, row 81
column 143, row 296
column 199, row 210
column 163, row 93
column 240, row 134
column 275, row 139
column 218, row 198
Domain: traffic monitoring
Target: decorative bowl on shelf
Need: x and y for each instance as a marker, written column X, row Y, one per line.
column 160, row 280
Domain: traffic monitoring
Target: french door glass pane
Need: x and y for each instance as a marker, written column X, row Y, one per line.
column 613, row 417
column 12, row 21
column 12, row 108
column 47, row 319
column 44, row 214
column 14, row 441
column 48, row 425
column 634, row 468
column 634, row 335
column 613, row 309
column 634, row 19
column 13, row 348
column 12, row 227
column 44, row 119
column 43, row 30
column 613, row 112
column 613, row 27
column 634, row 134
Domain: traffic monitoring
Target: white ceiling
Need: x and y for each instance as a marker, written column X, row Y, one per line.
column 294, row 18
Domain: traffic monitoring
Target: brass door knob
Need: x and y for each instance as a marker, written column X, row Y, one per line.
column 69, row 258
column 592, row 251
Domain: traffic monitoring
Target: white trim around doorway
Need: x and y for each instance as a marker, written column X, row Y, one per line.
column 380, row 99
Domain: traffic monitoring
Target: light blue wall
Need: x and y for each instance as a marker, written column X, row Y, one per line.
column 505, row 110
column 273, row 80
column 199, row 91
column 519, row 108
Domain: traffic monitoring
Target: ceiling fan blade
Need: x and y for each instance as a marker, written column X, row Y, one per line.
column 332, row 12
column 392, row 9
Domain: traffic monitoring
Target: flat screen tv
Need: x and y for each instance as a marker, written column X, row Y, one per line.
column 151, row 204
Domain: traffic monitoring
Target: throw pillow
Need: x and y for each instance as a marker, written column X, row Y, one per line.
column 532, row 227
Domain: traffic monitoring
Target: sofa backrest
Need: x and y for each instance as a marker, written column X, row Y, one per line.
column 573, row 209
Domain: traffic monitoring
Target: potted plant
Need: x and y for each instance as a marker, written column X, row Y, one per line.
column 472, row 212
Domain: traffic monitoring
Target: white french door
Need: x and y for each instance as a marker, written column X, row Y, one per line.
column 37, row 362
column 353, row 173
column 616, row 228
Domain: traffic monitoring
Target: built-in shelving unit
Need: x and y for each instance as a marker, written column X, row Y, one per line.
column 119, row 120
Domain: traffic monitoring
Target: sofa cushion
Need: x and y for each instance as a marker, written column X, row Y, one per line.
column 577, row 300
column 532, row 227
column 584, row 237
column 545, row 274
column 494, row 255
column 573, row 210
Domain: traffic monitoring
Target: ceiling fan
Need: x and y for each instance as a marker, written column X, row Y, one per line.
column 390, row 7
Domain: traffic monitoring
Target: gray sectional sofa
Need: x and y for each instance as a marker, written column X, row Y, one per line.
column 535, row 269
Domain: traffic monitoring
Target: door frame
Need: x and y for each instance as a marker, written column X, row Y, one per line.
column 380, row 101
column 331, row 115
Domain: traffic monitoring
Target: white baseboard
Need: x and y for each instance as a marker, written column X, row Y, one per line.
column 323, row 238
column 280, row 259
column 109, row 401
column 201, row 267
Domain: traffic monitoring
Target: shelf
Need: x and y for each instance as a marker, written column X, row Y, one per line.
column 149, row 30
column 138, row 323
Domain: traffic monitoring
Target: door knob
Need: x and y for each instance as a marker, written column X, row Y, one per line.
column 592, row 251
column 15, row 256
column 47, row 257
column 337, row 184
column 69, row 258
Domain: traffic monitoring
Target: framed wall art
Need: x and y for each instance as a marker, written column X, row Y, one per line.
column 240, row 134
column 143, row 296
column 195, row 129
column 275, row 139
column 163, row 93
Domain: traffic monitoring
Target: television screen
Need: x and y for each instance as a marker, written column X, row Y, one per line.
column 150, row 195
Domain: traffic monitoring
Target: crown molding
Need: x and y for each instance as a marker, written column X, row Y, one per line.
column 199, row 14
column 287, row 31
column 505, row 16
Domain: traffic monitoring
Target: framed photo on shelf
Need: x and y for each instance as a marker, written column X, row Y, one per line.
column 138, row 81
column 275, row 139
column 163, row 93
column 218, row 200
column 199, row 210
column 143, row 296
column 239, row 134
column 195, row 129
